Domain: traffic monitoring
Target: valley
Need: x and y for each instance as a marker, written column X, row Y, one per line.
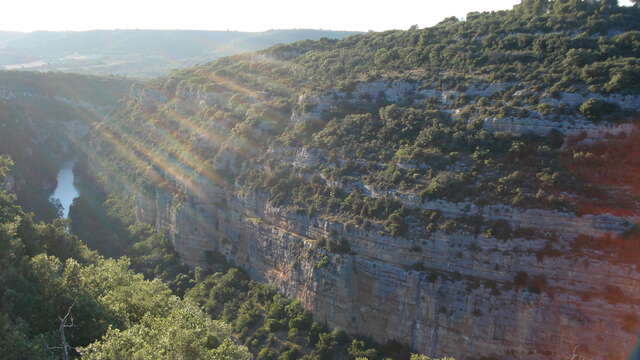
column 467, row 190
column 136, row 53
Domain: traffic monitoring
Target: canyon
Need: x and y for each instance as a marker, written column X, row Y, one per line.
column 466, row 190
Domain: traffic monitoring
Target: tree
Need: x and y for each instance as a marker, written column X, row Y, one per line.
column 185, row 333
column 358, row 349
column 5, row 165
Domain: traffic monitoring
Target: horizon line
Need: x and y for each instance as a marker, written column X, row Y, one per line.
column 184, row 29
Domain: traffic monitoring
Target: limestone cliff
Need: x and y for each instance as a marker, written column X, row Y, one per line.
column 460, row 303
column 454, row 293
column 468, row 189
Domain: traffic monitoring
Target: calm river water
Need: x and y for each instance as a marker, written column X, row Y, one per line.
column 66, row 191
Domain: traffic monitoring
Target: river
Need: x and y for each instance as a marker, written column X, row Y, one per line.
column 66, row 190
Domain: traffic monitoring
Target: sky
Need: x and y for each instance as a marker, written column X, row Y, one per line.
column 244, row 15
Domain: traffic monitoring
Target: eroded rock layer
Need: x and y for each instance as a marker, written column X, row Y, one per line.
column 459, row 303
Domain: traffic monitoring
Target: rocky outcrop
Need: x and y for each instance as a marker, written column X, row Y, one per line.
column 460, row 301
column 367, row 96
column 631, row 102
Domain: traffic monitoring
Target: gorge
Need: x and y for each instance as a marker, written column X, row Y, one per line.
column 466, row 190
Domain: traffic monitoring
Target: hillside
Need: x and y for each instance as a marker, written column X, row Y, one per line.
column 135, row 53
column 468, row 189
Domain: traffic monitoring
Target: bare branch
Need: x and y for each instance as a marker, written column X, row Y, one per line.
column 67, row 321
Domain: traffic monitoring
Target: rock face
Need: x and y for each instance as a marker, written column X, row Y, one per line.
column 454, row 293
column 461, row 303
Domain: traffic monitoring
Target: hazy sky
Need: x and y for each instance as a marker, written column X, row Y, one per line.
column 247, row 15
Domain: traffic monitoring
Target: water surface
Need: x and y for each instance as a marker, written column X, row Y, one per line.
column 66, row 191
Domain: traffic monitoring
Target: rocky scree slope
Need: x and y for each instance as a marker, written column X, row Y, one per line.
column 468, row 189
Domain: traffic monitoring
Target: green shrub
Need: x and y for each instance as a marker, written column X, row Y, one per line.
column 597, row 110
column 324, row 261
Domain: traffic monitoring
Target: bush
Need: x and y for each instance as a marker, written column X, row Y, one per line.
column 301, row 322
column 293, row 333
column 596, row 109
column 324, row 261
column 267, row 354
column 273, row 325
column 499, row 229
column 395, row 224
column 290, row 354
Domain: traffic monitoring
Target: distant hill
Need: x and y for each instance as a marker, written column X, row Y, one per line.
column 137, row 53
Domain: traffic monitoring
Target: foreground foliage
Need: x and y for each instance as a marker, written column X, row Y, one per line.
column 46, row 272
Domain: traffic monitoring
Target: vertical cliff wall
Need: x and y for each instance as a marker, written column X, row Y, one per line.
column 461, row 301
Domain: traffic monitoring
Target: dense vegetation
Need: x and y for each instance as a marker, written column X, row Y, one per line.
column 93, row 91
column 125, row 299
column 13, row 138
column 59, row 298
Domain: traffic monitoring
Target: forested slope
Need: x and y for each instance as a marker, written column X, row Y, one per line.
column 61, row 299
column 392, row 102
column 43, row 118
